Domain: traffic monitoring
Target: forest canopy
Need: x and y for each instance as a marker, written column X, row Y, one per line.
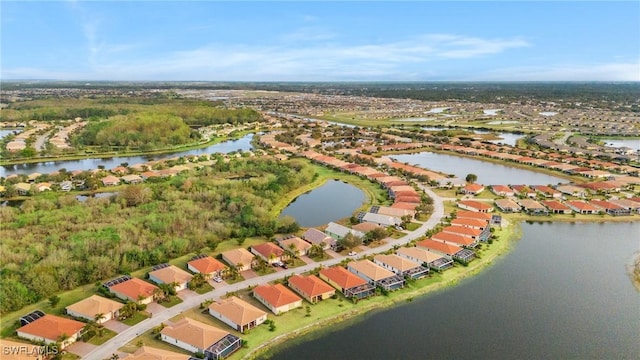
column 51, row 244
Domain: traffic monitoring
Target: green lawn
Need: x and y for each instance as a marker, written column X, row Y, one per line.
column 139, row 316
column 412, row 226
column 205, row 288
column 173, row 300
column 99, row 340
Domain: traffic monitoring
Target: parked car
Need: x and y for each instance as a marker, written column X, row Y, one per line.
column 217, row 279
column 352, row 253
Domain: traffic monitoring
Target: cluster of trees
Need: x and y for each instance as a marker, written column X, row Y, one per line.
column 145, row 131
column 54, row 243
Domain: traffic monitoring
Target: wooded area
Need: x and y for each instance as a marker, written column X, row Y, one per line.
column 54, row 243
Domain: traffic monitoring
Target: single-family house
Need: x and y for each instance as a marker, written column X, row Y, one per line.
column 365, row 227
column 338, row 231
column 351, row 285
column 425, row 257
column 397, row 211
column 206, row 265
column 240, row 258
column 66, row 186
column 447, row 250
column 268, row 251
column 523, row 190
column 627, row 204
column 477, row 206
column 532, row 207
column 95, row 308
column 572, row 190
column 556, row 207
column 43, row 186
column 170, row 274
column 277, row 298
column 382, row 220
column 473, row 215
column 311, row 288
column 132, row 179
column 31, row 178
column 501, row 190
column 507, row 205
column 197, row 337
column 401, row 266
column 472, row 189
column 470, row 223
column 582, row 207
column 110, row 180
column 610, row 208
column 151, row 353
column 237, row 313
column 456, row 238
column 547, row 191
column 376, row 275
column 22, row 188
column 135, row 290
column 317, row 237
column 295, row 244
column 49, row 329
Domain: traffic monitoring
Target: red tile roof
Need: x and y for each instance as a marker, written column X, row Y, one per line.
column 439, row 246
column 51, row 327
column 473, row 215
column 134, row 288
column 341, row 276
column 310, row 285
column 207, row 265
column 267, row 249
column 276, row 295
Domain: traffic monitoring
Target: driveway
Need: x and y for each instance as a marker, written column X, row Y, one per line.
column 81, row 348
column 115, row 325
column 306, row 259
column 186, row 294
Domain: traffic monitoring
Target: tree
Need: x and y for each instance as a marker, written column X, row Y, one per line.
column 135, row 195
column 376, row 234
column 54, row 300
column 350, row 241
column 197, row 281
column 471, row 178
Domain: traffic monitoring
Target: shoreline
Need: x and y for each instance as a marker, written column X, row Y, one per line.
column 509, row 234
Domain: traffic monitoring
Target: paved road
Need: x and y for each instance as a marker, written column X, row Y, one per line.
column 40, row 141
column 105, row 350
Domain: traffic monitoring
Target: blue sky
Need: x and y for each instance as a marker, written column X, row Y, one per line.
column 321, row 41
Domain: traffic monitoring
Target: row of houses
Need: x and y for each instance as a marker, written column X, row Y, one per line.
column 613, row 207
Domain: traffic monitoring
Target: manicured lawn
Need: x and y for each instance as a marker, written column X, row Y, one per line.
column 268, row 269
column 173, row 300
column 99, row 340
column 205, row 288
column 139, row 316
column 233, row 281
column 149, row 339
column 412, row 226
column 69, row 356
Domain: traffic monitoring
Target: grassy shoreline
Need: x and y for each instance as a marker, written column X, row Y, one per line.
column 508, row 235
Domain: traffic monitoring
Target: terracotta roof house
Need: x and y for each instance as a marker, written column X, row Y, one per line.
column 170, row 274
column 473, row 215
column 455, row 239
column 572, row 190
column 268, row 251
column 237, row 313
column 412, row 199
column 22, row 188
column 401, row 266
column 50, row 329
column 299, row 246
column 95, row 305
column 501, row 190
column 240, row 258
column 547, row 191
column 556, row 207
column 477, row 206
column 507, row 205
column 582, row 207
column 197, row 337
column 317, row 237
column 471, row 223
column 523, row 190
column 393, row 211
column 311, row 288
column 447, row 250
column 610, row 208
column 277, row 298
column 206, row 265
column 425, row 257
column 365, row 227
column 472, row 189
column 43, row 186
column 110, row 180
column 627, row 204
column 135, row 290
column 351, row 285
column 376, row 275
column 151, row 353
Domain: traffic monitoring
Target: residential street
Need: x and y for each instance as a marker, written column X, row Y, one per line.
column 110, row 347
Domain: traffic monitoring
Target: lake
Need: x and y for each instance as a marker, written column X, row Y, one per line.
column 507, row 138
column 243, row 143
column 332, row 201
column 5, row 132
column 563, row 292
column 488, row 173
column 630, row 143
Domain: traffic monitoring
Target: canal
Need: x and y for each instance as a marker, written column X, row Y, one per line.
column 332, row 201
column 243, row 144
column 488, row 173
column 563, row 292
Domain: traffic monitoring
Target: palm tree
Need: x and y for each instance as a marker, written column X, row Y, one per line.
column 98, row 317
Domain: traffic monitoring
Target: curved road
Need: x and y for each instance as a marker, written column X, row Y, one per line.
column 105, row 350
